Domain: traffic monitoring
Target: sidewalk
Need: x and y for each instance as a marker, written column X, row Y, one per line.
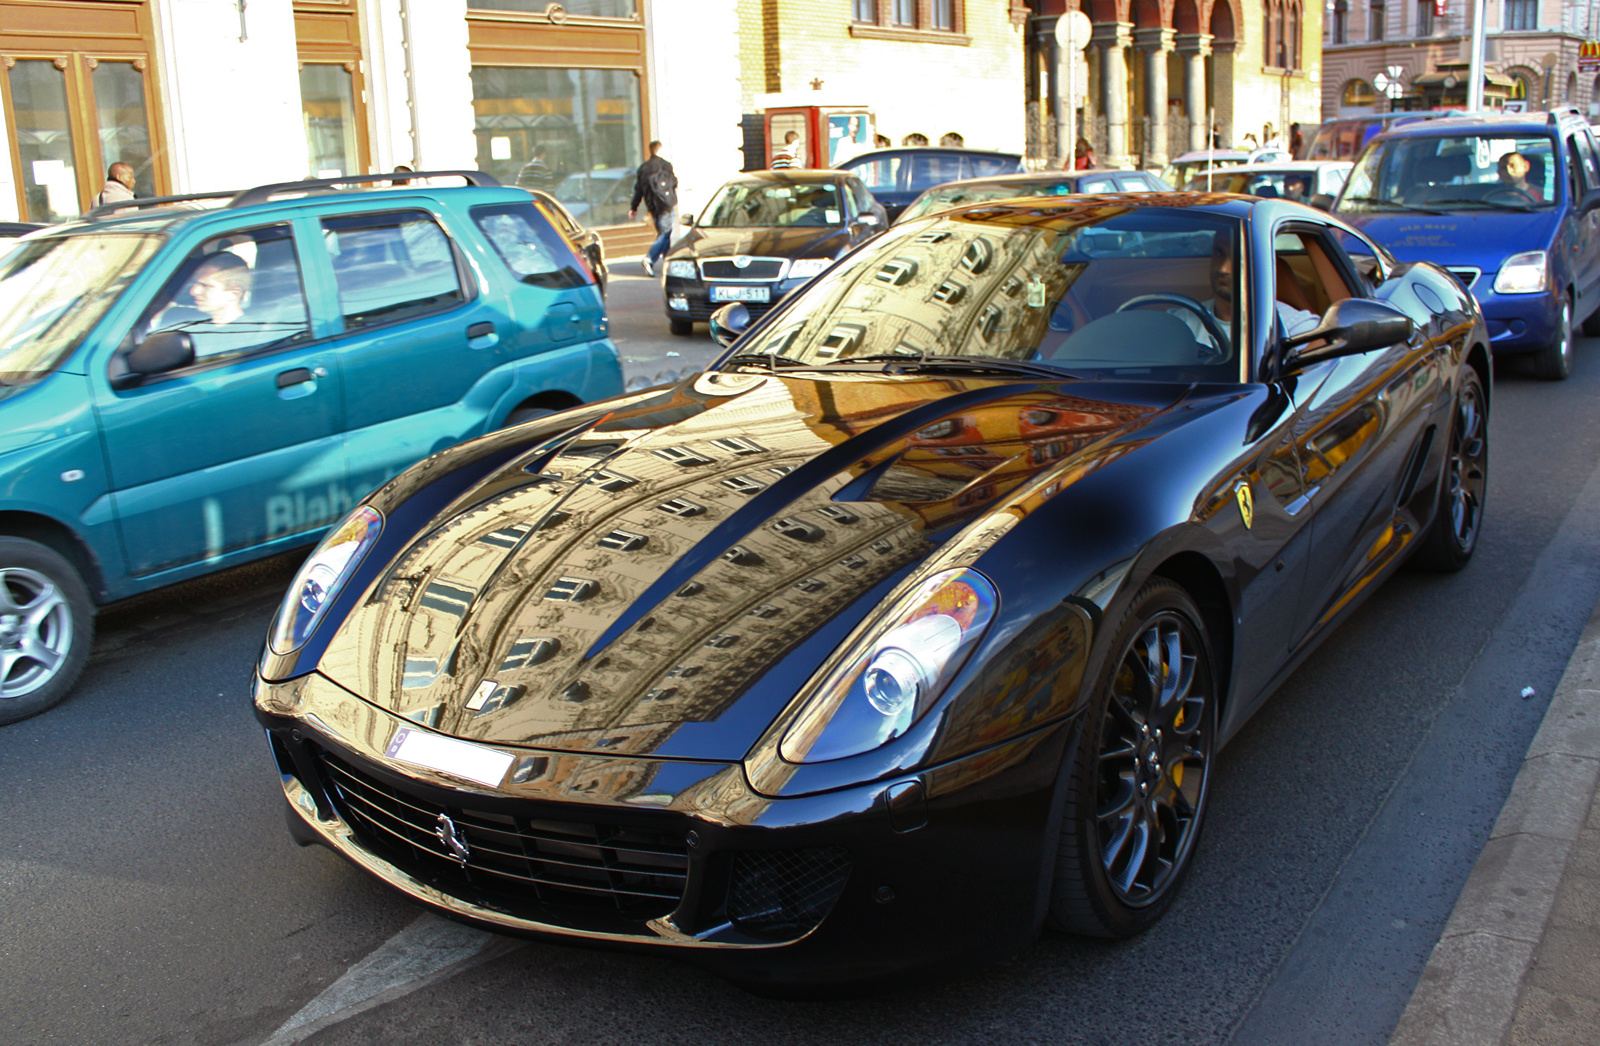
column 1519, row 961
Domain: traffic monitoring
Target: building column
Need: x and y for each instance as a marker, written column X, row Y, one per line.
column 1112, row 39
column 1154, row 44
column 1194, row 47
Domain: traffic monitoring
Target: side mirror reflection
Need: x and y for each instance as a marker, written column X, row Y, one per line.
column 687, row 219
column 728, row 322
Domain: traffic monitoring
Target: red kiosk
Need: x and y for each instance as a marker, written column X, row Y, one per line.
column 829, row 132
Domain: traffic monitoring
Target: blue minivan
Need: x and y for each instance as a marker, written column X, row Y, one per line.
column 1506, row 203
column 192, row 384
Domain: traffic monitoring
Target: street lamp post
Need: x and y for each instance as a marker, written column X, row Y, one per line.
column 1475, row 67
column 1072, row 36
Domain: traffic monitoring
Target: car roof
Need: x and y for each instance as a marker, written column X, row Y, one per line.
column 1292, row 166
column 1211, row 154
column 153, row 214
column 1532, row 123
column 1031, row 178
column 929, row 150
column 792, row 176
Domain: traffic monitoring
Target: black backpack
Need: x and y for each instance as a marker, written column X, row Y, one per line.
column 661, row 189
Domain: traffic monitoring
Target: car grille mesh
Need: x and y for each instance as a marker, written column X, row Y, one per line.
column 781, row 894
column 525, row 865
column 725, row 269
column 1466, row 274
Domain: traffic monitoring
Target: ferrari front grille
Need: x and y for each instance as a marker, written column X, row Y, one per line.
column 782, row 894
column 524, row 864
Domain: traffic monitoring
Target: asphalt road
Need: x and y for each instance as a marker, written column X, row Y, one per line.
column 151, row 894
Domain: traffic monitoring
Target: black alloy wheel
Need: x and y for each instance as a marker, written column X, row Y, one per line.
column 1453, row 534
column 1137, row 797
column 1554, row 361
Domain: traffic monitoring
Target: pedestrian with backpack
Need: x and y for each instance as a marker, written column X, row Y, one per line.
column 657, row 187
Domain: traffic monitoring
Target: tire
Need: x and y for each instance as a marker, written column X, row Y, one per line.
column 1141, row 771
column 525, row 414
column 682, row 328
column 1453, row 534
column 1554, row 361
column 46, row 628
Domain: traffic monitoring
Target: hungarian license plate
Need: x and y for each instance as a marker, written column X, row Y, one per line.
column 741, row 293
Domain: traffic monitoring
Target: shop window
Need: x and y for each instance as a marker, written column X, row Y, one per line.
column 328, row 103
column 576, row 133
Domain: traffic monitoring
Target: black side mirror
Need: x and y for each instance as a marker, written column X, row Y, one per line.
column 728, row 322
column 1591, row 200
column 1322, row 201
column 1349, row 327
column 161, row 352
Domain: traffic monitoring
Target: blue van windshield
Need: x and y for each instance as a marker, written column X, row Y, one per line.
column 1444, row 173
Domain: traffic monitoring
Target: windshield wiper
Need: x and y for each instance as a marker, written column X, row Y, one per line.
column 770, row 360
column 1389, row 203
column 905, row 364
column 1488, row 204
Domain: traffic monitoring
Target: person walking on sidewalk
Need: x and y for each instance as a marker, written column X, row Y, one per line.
column 657, row 187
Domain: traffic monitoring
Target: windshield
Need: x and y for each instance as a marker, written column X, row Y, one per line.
column 53, row 291
column 1268, row 185
column 959, row 196
column 764, row 204
column 1135, row 292
column 1454, row 173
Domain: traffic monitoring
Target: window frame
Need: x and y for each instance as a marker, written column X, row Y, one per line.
column 885, row 23
column 116, row 367
column 466, row 277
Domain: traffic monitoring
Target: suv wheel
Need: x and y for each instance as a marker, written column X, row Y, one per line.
column 46, row 627
column 1554, row 361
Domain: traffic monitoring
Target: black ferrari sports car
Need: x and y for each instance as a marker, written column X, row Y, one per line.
column 913, row 625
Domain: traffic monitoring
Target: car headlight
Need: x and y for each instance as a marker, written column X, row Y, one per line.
column 806, row 268
column 324, row 573
column 683, row 268
column 1523, row 273
column 878, row 694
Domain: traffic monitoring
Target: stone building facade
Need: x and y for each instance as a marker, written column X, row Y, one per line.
column 1387, row 55
column 925, row 67
column 1160, row 72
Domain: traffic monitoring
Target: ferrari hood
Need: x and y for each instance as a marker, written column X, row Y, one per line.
column 664, row 581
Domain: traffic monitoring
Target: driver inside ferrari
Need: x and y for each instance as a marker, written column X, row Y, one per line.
column 1292, row 320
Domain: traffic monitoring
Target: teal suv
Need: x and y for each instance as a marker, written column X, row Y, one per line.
column 193, row 382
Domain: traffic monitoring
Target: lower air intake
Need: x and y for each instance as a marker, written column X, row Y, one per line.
column 782, row 894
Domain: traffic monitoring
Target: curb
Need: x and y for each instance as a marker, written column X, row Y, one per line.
column 1467, row 994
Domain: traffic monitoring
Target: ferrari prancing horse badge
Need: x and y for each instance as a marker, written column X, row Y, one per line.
column 1247, row 502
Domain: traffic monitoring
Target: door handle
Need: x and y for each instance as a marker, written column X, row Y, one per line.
column 298, row 376
column 479, row 330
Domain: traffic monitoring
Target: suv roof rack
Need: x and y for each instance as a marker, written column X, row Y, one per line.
column 263, row 193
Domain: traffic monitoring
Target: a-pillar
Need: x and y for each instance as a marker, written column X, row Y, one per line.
column 1112, row 40
column 1154, row 45
column 1193, row 47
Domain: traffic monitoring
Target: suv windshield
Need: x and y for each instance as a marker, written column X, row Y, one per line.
column 1143, row 293
column 53, row 291
column 749, row 206
column 1464, row 172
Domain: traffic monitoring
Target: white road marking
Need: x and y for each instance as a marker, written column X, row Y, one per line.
column 416, row 956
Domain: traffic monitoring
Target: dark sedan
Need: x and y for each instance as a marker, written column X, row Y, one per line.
column 912, row 626
column 898, row 176
column 763, row 235
column 1042, row 183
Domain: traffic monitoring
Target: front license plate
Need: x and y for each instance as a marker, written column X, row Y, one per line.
column 741, row 293
column 448, row 756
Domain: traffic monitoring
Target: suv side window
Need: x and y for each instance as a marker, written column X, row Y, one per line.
column 391, row 266
column 528, row 245
column 234, row 294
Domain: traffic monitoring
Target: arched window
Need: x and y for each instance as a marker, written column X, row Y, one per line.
column 1377, row 19
column 1358, row 94
column 1294, row 35
column 1572, row 89
column 1340, row 31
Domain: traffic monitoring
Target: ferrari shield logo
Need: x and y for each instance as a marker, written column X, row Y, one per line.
column 1247, row 502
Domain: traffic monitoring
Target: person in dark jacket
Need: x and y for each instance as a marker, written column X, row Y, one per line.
column 657, row 188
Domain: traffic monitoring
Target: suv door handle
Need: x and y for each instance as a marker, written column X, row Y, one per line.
column 298, row 376
column 478, row 330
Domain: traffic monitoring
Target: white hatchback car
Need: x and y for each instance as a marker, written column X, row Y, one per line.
column 1302, row 180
